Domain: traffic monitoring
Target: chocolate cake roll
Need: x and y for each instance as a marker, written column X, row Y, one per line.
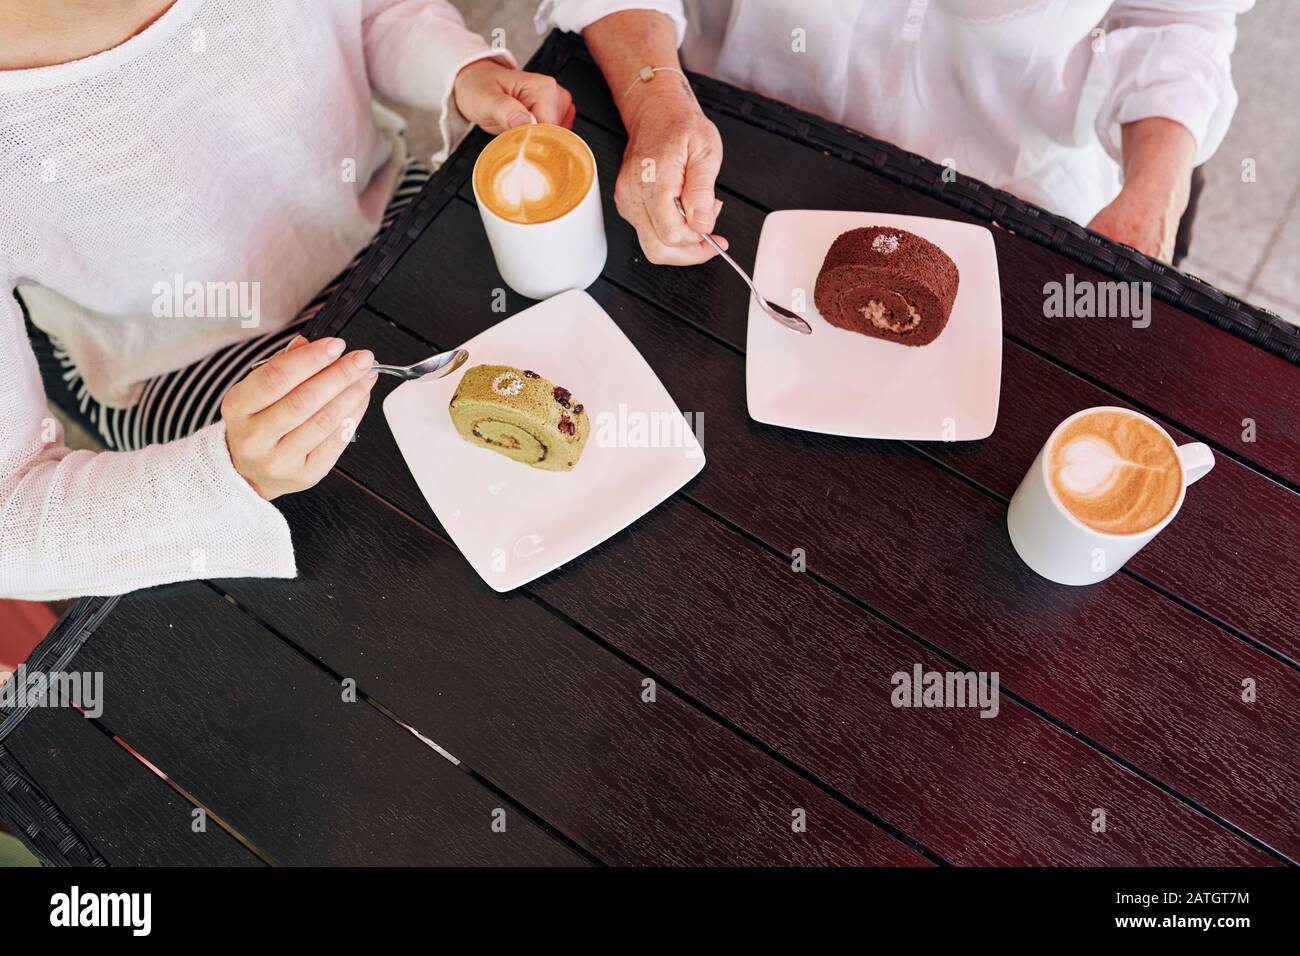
column 887, row 283
column 521, row 415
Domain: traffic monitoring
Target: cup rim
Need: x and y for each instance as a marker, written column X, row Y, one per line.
column 1069, row 516
column 487, row 210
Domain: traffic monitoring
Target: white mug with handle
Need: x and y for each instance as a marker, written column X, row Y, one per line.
column 1059, row 546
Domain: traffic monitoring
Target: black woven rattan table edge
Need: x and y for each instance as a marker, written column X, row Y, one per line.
column 37, row 822
column 58, row 647
column 29, row 812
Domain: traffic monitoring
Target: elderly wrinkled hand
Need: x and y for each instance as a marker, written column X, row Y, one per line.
column 673, row 152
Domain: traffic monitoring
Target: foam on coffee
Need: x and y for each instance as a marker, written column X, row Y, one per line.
column 1115, row 472
column 534, row 173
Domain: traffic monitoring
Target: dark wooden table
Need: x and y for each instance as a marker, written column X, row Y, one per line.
column 772, row 687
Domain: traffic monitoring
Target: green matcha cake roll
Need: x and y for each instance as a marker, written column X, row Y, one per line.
column 521, row 415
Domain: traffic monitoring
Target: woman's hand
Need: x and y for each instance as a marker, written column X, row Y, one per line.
column 498, row 97
column 1145, row 218
column 288, row 421
column 673, row 151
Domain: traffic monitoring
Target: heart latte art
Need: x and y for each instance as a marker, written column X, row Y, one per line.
column 534, row 173
column 1115, row 472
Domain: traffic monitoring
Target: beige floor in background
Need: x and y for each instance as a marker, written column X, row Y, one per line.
column 1247, row 237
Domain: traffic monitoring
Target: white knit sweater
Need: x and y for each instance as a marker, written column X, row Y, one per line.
column 231, row 141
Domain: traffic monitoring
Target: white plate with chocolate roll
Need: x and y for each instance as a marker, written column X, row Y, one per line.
column 554, row 436
column 906, row 315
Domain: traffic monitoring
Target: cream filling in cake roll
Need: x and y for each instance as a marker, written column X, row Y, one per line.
column 896, row 311
column 894, row 314
column 504, row 431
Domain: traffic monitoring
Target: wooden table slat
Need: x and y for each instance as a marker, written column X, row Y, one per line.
column 818, row 685
column 265, row 740
column 129, row 815
column 536, row 707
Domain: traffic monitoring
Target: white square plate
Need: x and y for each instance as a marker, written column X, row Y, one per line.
column 843, row 383
column 514, row 523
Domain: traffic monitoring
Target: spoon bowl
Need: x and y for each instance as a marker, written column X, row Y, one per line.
column 777, row 313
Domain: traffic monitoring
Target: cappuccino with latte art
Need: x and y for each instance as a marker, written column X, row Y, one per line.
column 1108, row 481
column 1115, row 472
column 533, row 174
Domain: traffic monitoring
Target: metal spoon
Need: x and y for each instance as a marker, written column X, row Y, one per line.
column 777, row 313
column 435, row 366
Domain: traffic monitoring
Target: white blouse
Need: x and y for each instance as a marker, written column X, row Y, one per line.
column 231, row 141
column 1026, row 95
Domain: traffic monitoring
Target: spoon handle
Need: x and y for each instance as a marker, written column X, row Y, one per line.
column 732, row 262
column 386, row 369
column 779, row 314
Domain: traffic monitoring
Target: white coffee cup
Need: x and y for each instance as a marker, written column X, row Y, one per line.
column 542, row 259
column 1060, row 547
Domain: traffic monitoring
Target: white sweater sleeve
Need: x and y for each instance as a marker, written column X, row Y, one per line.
column 414, row 49
column 1170, row 58
column 76, row 523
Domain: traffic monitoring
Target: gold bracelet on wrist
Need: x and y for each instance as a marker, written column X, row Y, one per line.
column 647, row 73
